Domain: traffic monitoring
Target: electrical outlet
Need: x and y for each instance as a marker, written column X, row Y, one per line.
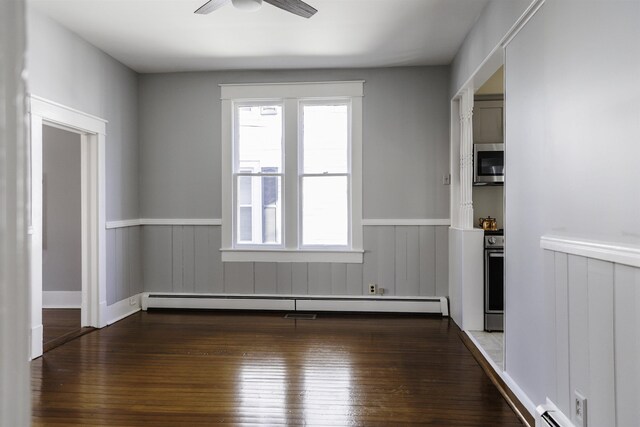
column 132, row 301
column 373, row 289
column 446, row 179
column 580, row 415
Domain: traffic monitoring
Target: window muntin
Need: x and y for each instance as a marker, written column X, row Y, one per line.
column 257, row 174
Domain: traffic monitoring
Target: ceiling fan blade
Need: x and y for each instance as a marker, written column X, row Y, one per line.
column 210, row 6
column 297, row 7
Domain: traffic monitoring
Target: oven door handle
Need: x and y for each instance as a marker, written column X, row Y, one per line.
column 496, row 253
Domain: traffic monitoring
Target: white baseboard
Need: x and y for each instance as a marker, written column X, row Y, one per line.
column 436, row 305
column 215, row 303
column 122, row 309
column 373, row 305
column 37, row 335
column 61, row 299
column 520, row 394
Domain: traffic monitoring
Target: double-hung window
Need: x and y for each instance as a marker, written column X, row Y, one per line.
column 292, row 172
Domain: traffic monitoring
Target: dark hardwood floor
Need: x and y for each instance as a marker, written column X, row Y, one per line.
column 61, row 325
column 167, row 368
column 59, row 321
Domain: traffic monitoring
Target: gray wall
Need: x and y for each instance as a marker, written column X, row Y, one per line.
column 492, row 25
column 405, row 151
column 62, row 233
column 405, row 154
column 572, row 128
column 66, row 69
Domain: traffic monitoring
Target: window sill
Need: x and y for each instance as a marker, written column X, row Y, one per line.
column 283, row 255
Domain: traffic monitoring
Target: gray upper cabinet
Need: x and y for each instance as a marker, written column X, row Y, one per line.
column 488, row 124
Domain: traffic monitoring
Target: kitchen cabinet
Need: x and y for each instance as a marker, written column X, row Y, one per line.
column 488, row 121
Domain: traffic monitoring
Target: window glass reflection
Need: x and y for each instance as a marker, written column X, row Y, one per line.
column 263, row 391
column 327, row 390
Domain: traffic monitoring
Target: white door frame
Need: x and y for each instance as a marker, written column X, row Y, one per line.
column 93, row 137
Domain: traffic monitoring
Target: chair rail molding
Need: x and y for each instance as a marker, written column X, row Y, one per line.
column 372, row 222
column 606, row 251
column 162, row 221
column 407, row 222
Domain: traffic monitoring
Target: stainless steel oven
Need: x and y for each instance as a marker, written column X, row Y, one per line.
column 494, row 283
column 488, row 164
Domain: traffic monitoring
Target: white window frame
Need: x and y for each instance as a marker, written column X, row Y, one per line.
column 292, row 96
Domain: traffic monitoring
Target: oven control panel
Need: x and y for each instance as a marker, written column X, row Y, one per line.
column 494, row 242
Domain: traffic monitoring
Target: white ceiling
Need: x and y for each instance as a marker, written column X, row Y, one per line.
column 165, row 35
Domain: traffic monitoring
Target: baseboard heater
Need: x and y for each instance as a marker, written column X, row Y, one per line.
column 548, row 415
column 435, row 305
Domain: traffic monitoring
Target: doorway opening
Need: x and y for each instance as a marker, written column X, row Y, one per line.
column 61, row 235
column 477, row 247
column 68, row 250
column 488, row 203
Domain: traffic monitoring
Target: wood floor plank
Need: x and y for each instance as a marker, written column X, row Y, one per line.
column 167, row 368
column 57, row 322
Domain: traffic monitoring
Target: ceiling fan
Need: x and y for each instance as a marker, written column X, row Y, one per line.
column 297, row 7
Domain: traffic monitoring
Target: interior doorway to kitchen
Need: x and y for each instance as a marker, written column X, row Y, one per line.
column 488, row 208
column 478, row 123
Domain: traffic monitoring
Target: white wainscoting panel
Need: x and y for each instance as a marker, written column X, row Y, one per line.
column 627, row 344
column 563, row 386
column 601, row 343
column 578, row 332
column 124, row 263
column 402, row 260
column 597, row 333
column 284, row 278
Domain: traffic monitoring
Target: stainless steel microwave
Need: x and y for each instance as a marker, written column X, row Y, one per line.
column 488, row 164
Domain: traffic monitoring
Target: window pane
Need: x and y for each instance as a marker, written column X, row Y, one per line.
column 245, row 224
column 244, row 190
column 270, row 228
column 270, row 217
column 259, row 210
column 325, row 211
column 259, row 137
column 325, row 138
